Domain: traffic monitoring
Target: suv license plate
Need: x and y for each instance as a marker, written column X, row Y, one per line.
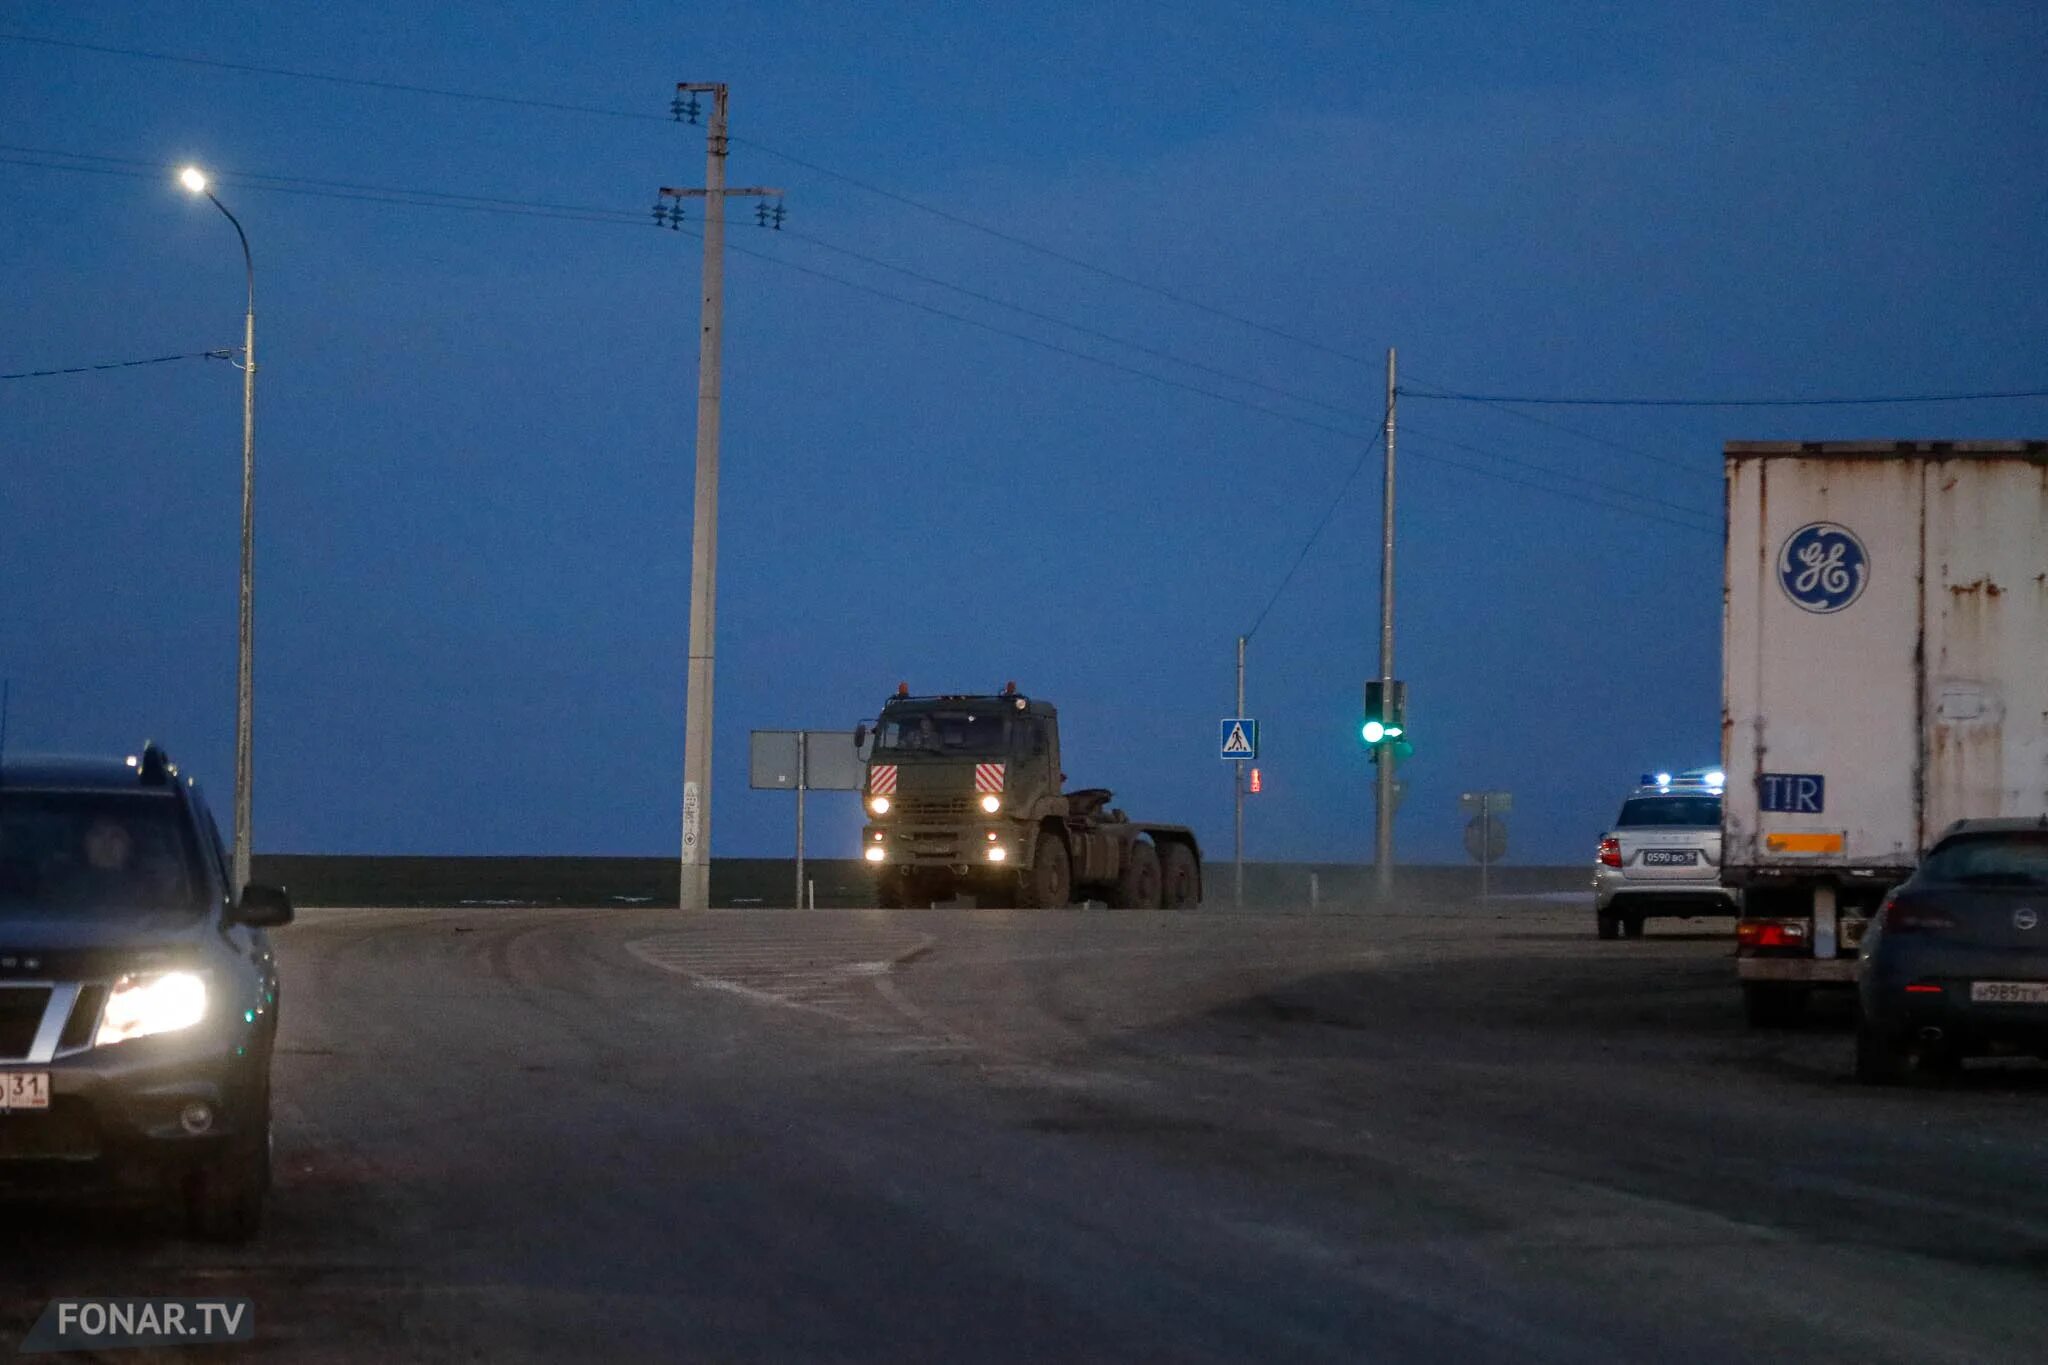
column 2009, row 992
column 24, row 1090
column 1667, row 857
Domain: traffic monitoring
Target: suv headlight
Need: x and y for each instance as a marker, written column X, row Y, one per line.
column 151, row 1002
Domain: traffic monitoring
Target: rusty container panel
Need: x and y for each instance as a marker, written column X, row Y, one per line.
column 1885, row 648
column 1986, row 686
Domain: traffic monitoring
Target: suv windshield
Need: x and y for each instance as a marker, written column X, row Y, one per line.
column 1684, row 812
column 96, row 854
column 2012, row 858
column 945, row 732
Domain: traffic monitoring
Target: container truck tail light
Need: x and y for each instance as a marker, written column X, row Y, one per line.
column 1772, row 933
column 1610, row 853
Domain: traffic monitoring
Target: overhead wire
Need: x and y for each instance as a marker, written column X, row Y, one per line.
column 1831, row 402
column 219, row 354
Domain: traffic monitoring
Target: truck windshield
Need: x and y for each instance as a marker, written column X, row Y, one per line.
column 96, row 855
column 1681, row 812
column 2017, row 858
column 964, row 733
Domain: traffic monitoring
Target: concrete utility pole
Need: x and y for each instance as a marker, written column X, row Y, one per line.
column 1238, row 778
column 695, row 893
column 1383, row 842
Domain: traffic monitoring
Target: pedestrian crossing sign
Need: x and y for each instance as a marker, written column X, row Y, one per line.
column 1239, row 737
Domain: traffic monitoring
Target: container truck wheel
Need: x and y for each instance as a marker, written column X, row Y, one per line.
column 891, row 892
column 1139, row 886
column 1771, row 1004
column 1048, row 884
column 1180, row 880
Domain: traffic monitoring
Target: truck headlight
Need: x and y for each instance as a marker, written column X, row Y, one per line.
column 991, row 804
column 876, row 853
column 997, row 853
column 879, row 805
column 154, row 1002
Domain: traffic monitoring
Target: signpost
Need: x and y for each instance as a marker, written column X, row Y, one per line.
column 803, row 761
column 1237, row 741
column 1486, row 834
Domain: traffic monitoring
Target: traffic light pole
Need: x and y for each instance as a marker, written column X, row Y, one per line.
column 1237, row 778
column 1383, row 841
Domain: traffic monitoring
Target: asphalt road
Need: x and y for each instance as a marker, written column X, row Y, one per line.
column 1089, row 1135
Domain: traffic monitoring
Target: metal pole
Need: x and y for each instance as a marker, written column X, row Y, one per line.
column 803, row 779
column 1238, row 779
column 1383, row 842
column 696, row 854
column 245, row 660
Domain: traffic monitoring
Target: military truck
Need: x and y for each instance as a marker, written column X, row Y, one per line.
column 964, row 797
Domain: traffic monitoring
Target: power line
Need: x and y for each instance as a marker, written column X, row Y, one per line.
column 1585, row 498
column 416, row 198
column 1595, row 438
column 1727, row 402
column 1343, row 491
column 557, row 106
column 1595, row 484
column 122, row 364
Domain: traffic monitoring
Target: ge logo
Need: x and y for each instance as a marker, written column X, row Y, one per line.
column 1822, row 567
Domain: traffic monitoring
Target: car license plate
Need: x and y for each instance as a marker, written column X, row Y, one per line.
column 1667, row 857
column 2009, row 992
column 24, row 1090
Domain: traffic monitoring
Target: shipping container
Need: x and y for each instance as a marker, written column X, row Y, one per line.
column 1884, row 672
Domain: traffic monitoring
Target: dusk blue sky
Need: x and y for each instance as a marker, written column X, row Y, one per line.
column 474, row 429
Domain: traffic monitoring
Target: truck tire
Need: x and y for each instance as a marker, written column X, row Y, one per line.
column 890, row 891
column 1180, row 879
column 1772, row 1004
column 1139, row 886
column 1048, row 884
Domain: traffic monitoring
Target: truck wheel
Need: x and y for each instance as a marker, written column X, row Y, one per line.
column 1138, row 887
column 1180, row 880
column 1610, row 925
column 1769, row 1004
column 890, row 891
column 1049, row 882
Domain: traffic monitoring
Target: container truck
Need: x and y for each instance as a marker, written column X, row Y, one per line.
column 1884, row 673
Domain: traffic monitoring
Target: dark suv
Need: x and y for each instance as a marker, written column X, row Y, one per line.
column 138, row 995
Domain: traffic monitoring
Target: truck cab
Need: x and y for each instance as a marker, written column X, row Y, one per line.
column 965, row 796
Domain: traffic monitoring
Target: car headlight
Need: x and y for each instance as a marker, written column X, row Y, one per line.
column 152, row 1002
column 991, row 804
column 879, row 805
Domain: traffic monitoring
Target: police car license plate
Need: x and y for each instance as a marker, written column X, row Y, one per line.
column 1667, row 857
column 24, row 1090
column 2009, row 992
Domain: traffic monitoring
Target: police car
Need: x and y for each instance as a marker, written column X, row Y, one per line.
column 138, row 994
column 1662, row 858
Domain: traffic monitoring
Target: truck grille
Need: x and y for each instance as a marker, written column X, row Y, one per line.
column 21, row 1015
column 932, row 810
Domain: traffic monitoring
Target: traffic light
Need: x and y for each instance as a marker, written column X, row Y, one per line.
column 1385, row 723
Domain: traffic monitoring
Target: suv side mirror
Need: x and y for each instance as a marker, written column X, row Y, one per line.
column 263, row 907
column 860, row 735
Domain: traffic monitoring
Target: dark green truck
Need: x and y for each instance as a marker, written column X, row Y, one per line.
column 964, row 797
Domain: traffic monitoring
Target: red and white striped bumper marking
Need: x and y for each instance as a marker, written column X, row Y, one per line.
column 988, row 778
column 882, row 780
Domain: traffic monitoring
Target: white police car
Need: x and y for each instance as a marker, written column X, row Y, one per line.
column 1663, row 856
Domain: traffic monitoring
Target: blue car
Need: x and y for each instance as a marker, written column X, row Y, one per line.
column 138, row 994
column 1957, row 963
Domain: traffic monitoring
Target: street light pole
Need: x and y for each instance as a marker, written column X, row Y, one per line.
column 245, row 665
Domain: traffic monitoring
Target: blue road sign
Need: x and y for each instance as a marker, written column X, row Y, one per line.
column 1238, row 739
